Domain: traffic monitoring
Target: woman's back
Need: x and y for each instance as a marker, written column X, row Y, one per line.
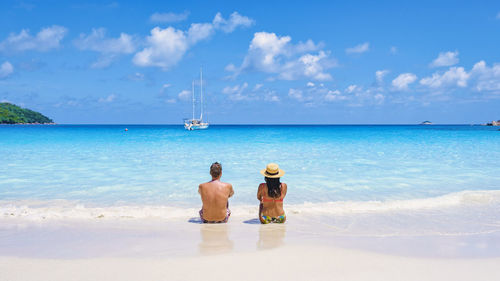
column 271, row 206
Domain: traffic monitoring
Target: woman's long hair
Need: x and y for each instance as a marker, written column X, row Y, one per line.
column 273, row 187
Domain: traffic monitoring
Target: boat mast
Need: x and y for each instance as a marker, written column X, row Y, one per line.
column 201, row 94
column 192, row 93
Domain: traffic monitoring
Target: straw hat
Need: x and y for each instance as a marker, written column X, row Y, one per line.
column 272, row 170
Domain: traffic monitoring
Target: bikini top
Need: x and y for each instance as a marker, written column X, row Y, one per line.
column 270, row 199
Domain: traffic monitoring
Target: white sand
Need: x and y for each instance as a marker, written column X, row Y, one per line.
column 284, row 263
column 302, row 249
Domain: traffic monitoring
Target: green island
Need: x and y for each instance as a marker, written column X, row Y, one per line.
column 13, row 114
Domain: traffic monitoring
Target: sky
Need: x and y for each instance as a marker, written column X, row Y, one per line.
column 264, row 62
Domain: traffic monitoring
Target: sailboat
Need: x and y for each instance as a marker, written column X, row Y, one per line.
column 196, row 124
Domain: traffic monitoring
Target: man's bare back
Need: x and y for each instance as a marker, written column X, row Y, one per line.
column 214, row 196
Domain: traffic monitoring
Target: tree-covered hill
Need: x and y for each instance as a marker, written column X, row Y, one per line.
column 13, row 114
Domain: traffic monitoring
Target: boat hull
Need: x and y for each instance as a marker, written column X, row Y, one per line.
column 192, row 127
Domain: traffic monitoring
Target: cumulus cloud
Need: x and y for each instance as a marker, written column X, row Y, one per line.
column 168, row 17
column 455, row 76
column 46, row 39
column 166, row 47
column 486, row 78
column 6, row 69
column 403, row 80
column 358, row 49
column 275, row 54
column 109, row 48
column 445, row 59
column 380, row 74
column 235, row 20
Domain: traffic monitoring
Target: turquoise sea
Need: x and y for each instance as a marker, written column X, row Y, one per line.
column 156, row 165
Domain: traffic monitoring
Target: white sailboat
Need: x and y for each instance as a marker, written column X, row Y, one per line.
column 196, row 124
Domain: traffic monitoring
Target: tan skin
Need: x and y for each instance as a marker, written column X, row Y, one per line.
column 272, row 209
column 215, row 195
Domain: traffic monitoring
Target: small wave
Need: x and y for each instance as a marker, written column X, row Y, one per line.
column 62, row 209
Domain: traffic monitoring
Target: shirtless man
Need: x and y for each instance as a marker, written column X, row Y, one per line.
column 215, row 195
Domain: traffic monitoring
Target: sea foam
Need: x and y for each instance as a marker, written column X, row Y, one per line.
column 64, row 209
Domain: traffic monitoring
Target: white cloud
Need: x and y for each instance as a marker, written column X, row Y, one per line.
column 498, row 16
column 235, row 20
column 296, row 94
column 168, row 17
column 108, row 99
column 486, row 78
column 6, row 69
column 97, row 41
column 403, row 80
column 358, row 49
column 271, row 96
column 109, row 48
column 166, row 47
column 310, row 84
column 48, row 38
column 199, row 31
column 164, row 87
column 379, row 98
column 311, row 66
column 334, row 95
column 184, row 95
column 236, row 92
column 455, row 76
column 274, row 54
column 380, row 74
column 445, row 59
column 393, row 50
column 257, row 87
column 351, row 88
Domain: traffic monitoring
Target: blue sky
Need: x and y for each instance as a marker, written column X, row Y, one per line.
column 264, row 62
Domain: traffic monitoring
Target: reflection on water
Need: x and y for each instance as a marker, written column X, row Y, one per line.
column 271, row 236
column 214, row 239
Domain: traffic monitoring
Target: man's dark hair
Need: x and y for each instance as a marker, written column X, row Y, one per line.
column 216, row 170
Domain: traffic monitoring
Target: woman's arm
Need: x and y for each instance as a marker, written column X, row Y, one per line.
column 259, row 191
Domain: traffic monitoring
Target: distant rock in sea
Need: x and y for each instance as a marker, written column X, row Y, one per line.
column 426, row 123
column 493, row 123
column 13, row 114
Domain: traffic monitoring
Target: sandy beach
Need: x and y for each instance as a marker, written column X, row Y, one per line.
column 184, row 249
column 284, row 263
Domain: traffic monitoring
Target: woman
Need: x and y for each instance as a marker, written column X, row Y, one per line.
column 271, row 195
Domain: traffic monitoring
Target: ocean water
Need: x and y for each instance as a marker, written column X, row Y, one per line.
column 83, row 170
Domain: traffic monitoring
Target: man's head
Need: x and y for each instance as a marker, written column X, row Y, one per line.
column 216, row 170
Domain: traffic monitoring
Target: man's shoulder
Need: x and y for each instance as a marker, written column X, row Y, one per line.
column 226, row 184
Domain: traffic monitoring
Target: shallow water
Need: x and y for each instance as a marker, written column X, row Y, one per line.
column 105, row 165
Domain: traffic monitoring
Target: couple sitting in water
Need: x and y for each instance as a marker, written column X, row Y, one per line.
column 215, row 195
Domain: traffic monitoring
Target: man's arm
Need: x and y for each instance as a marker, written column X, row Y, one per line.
column 231, row 191
column 199, row 189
